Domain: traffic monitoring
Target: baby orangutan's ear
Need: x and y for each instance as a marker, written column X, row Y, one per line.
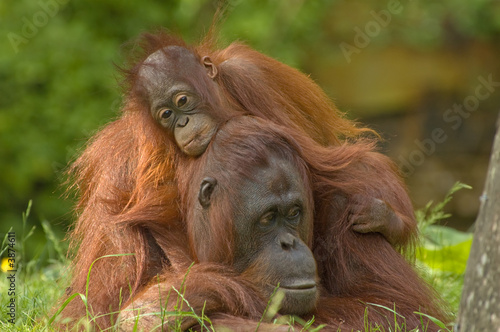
column 210, row 67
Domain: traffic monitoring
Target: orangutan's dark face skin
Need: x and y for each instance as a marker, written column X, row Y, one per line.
column 271, row 225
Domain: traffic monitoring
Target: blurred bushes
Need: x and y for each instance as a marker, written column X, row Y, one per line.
column 58, row 83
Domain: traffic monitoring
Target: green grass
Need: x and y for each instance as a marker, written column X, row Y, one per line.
column 441, row 259
column 443, row 251
column 38, row 284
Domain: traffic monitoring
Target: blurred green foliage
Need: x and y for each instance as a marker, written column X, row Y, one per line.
column 58, row 83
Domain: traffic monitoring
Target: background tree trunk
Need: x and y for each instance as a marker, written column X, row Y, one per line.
column 480, row 303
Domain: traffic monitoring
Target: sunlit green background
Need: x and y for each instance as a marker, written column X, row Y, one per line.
column 58, row 82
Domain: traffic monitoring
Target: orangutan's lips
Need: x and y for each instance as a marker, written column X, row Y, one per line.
column 191, row 141
column 300, row 286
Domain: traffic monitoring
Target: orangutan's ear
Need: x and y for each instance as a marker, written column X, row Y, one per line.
column 210, row 67
column 206, row 189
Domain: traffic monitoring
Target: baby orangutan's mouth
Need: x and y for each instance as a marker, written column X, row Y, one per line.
column 198, row 143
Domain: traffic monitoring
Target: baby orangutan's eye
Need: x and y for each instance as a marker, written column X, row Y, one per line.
column 165, row 114
column 181, row 100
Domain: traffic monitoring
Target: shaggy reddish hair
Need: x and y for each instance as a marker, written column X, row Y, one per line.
column 125, row 178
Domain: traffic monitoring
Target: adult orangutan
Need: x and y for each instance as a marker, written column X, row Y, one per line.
column 248, row 203
column 177, row 97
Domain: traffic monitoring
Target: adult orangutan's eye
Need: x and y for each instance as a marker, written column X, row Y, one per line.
column 294, row 212
column 267, row 219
